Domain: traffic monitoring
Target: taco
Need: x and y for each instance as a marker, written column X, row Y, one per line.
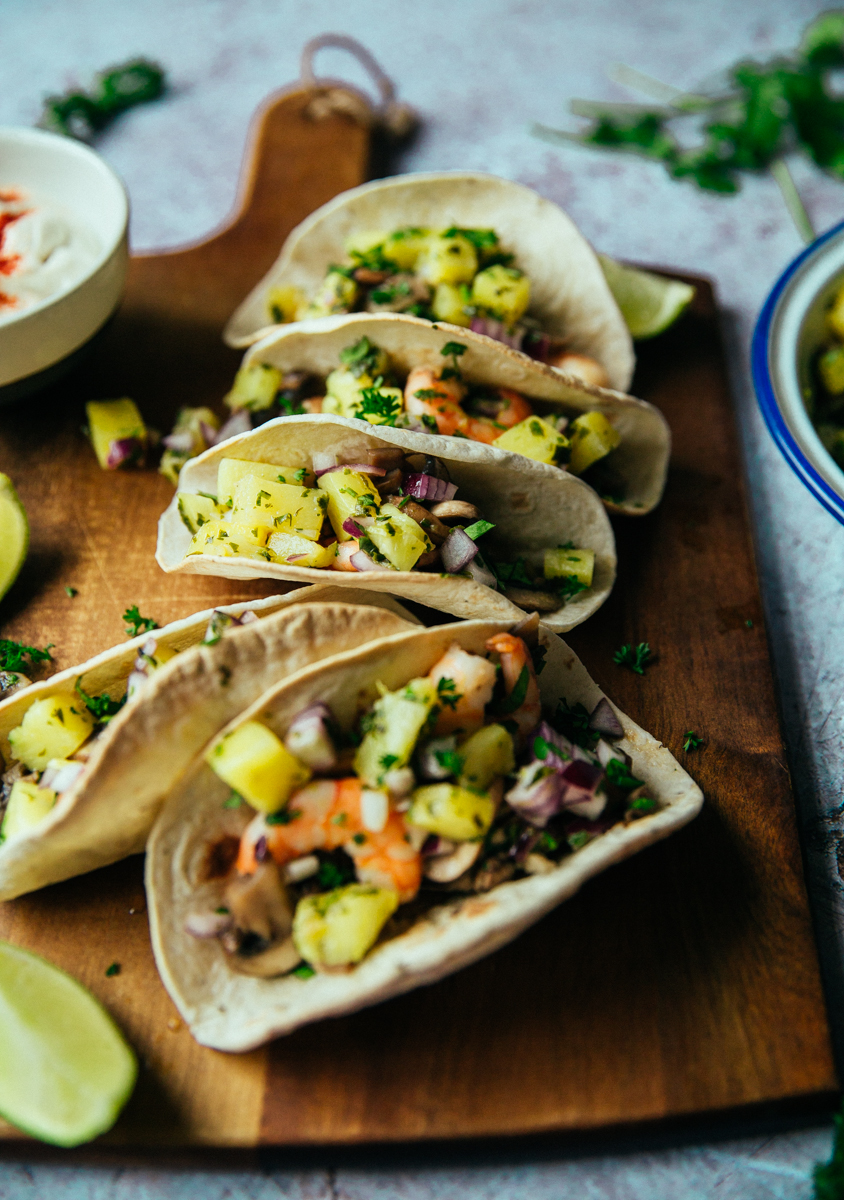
column 402, row 810
column 459, row 247
column 90, row 752
column 401, row 372
column 460, row 527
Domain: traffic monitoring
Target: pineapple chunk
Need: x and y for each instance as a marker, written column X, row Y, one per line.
column 336, row 294
column 196, row 510
column 449, row 304
column 592, row 437
column 349, row 494
column 487, row 753
column 343, row 391
column 28, row 806
column 254, row 388
column 835, row 316
column 398, row 537
column 404, row 246
column 535, row 438
column 188, row 421
column 54, row 727
column 286, row 508
column 452, row 811
column 232, row 470
column 337, row 928
column 392, row 728
column 285, row 304
column 503, row 292
column 111, row 421
column 831, row 367
column 563, row 563
column 230, row 539
column 300, row 551
column 257, row 765
column 368, row 239
column 447, row 260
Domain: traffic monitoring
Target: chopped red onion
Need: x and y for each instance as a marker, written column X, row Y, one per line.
column 604, row 721
column 428, row 487
column 247, row 618
column 239, row 422
column 457, row 551
column 361, row 561
column 538, row 347
column 434, row 844
column 183, row 441
column 498, row 332
column 292, row 558
column 360, row 468
column 125, row 450
column 308, row 738
column 537, row 793
column 480, row 572
column 208, row 924
column 356, row 525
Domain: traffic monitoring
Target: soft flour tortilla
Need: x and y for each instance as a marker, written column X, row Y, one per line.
column 532, row 505
column 570, row 297
column 107, row 814
column 229, row 1011
column 641, row 460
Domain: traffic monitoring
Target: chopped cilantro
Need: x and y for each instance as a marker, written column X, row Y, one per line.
column 333, row 875
column 429, row 422
column 692, row 741
column 71, row 591
column 359, row 839
column 102, row 708
column 567, row 586
column 579, row 839
column 114, row 969
column 375, row 403
column 388, row 760
column 284, row 816
column 453, row 350
column 447, row 693
column 541, row 748
column 478, row 529
column 234, row 800
column 481, row 239
column 430, row 394
column 136, row 624
column 572, row 720
column 517, row 697
column 642, row 805
column 512, row 573
column 619, row 774
column 12, row 655
column 360, row 358
column 303, row 971
column 548, row 842
column 449, row 760
column 634, row 657
column 299, row 475
column 222, row 911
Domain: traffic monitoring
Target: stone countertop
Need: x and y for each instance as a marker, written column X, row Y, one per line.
column 479, row 73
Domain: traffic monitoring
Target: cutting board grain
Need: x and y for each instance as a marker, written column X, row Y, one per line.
column 683, row 981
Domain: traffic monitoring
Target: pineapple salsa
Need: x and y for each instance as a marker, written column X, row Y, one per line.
column 51, row 745
column 396, row 511
column 825, row 400
column 462, row 276
column 455, row 782
column 365, row 386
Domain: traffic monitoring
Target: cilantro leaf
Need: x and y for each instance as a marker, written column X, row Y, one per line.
column 453, row 350
column 481, row 239
column 136, row 624
column 692, row 741
column 12, row 655
column 573, row 722
column 478, row 529
column 619, row 773
column 361, row 357
column 447, row 693
column 449, row 760
column 102, row 708
column 634, row 657
column 375, row 403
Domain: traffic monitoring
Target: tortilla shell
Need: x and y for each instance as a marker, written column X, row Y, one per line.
column 570, row 297
column 533, row 506
column 230, row 1011
column 641, row 460
column 109, row 811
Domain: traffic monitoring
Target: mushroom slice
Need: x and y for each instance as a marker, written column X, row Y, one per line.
column 445, row 868
column 276, row 960
column 455, row 510
column 259, row 903
column 537, row 602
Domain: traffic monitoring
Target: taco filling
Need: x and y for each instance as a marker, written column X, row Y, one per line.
column 395, row 511
column 461, row 276
column 454, row 783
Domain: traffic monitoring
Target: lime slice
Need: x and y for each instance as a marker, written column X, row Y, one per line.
column 65, row 1069
column 649, row 303
column 14, row 535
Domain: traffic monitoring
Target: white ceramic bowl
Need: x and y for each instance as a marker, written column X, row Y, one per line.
column 38, row 343
column 788, row 334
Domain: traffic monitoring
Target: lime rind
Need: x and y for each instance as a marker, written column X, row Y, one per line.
column 14, row 534
column 65, row 1068
column 649, row 303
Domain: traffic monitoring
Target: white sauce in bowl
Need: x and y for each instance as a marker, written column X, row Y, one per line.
column 43, row 250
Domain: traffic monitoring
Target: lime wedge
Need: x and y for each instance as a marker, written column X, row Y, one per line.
column 14, row 535
column 649, row 303
column 65, row 1069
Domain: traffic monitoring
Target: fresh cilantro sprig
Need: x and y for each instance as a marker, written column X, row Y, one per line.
column 572, row 720
column 136, row 624
column 13, row 654
column 375, row 403
column 449, row 760
column 102, row 708
column 447, row 694
column 634, row 657
column 80, row 114
column 454, row 351
column 360, row 358
column 619, row 773
column 481, row 239
column 692, row 741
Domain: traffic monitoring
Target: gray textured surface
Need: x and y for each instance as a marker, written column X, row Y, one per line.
column 479, row 72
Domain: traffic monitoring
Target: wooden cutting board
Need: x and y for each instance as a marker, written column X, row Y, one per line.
column 683, row 981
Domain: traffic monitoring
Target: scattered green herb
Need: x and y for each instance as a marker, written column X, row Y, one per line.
column 81, row 114
column 71, row 591
column 572, row 720
column 619, row 774
column 517, row 697
column 303, row 971
column 361, row 358
column 375, row 403
column 634, row 657
column 388, row 760
column 481, row 239
column 114, row 969
column 234, row 801
column 136, row 624
column 284, row 816
column 12, row 655
column 452, row 350
column 692, row 741
column 447, row 693
column 478, row 529
column 102, row 708
column 331, row 876
column 449, row 760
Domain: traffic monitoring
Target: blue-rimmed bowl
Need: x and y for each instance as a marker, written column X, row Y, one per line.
column 789, row 332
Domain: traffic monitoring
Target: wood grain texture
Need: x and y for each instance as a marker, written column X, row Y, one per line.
column 684, row 980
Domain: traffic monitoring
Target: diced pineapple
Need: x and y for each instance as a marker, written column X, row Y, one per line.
column 284, row 507
column 404, row 246
column 111, row 421
column 487, row 753
column 258, row 766
column 592, row 437
column 300, row 551
column 835, row 316
column 362, row 243
column 337, row 928
column 343, row 391
column 231, row 470
column 452, row 811
column 563, row 562
column 349, row 494
column 188, row 421
column 230, row 539
column 27, row 807
column 398, row 537
column 285, row 304
column 449, row 304
column 831, row 367
column 503, row 292
column 196, row 510
column 535, row 438
column 336, row 294
column 447, row 259
column 393, row 726
column 255, row 387
column 54, row 727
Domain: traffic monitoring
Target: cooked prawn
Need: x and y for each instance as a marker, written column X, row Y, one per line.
column 331, row 813
column 464, row 684
column 425, row 394
column 515, row 660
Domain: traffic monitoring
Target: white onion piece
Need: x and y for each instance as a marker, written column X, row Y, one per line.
column 358, row 468
column 308, row 739
column 590, row 810
column 429, row 764
column 361, row 561
column 301, row 868
column 239, row 422
column 323, row 460
column 60, row 775
column 399, row 782
column 374, row 809
column 480, row 572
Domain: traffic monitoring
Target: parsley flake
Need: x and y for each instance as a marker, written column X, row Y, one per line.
column 692, row 741
column 136, row 624
column 634, row 657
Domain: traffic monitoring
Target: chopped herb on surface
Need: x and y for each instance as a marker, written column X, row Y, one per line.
column 71, row 591
column 634, row 657
column 447, row 693
column 284, row 816
column 12, row 655
column 80, row 114
column 619, row 773
column 361, row 358
column 375, row 403
column 136, row 624
column 449, row 760
column 114, row 969
column 478, row 529
column 692, row 741
column 572, row 720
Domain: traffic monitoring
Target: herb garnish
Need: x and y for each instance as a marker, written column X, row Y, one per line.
column 71, row 591
column 333, row 875
column 375, row 403
column 136, row 624
column 114, row 969
column 102, row 708
column 447, row 693
column 452, row 350
column 481, row 239
column 478, row 529
column 81, row 114
column 234, row 800
column 12, row 655
column 619, row 773
column 634, row 657
column 388, row 760
column 284, row 816
column 573, row 721
column 517, row 697
column 303, row 971
column 449, row 760
column 361, row 358
column 692, row 741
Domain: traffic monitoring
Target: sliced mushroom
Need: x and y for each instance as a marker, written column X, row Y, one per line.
column 388, row 457
column 445, row 868
column 11, row 682
column 277, row 960
column 533, row 601
column 455, row 510
column 368, row 277
column 528, row 629
column 429, row 559
column 259, row 903
column 434, row 528
column 389, row 483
